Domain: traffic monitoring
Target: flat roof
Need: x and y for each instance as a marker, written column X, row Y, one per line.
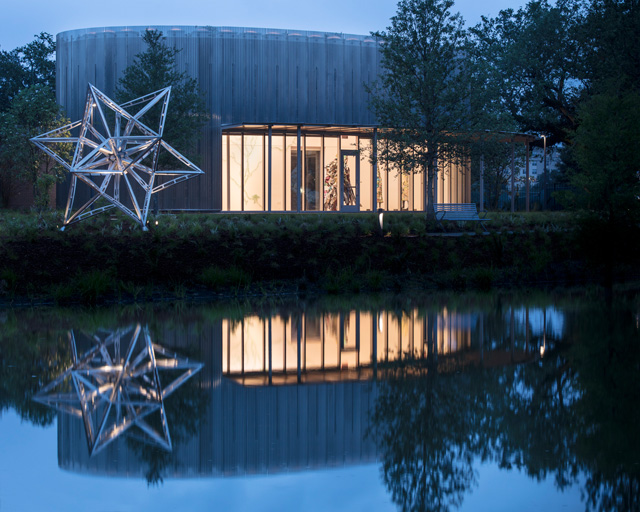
column 362, row 131
column 222, row 31
column 307, row 129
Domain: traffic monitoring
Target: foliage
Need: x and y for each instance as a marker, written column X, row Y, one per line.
column 155, row 69
column 533, row 59
column 571, row 415
column 31, row 354
column 605, row 149
column 421, row 98
column 275, row 254
column 29, row 65
column 602, row 163
column 32, row 111
column 612, row 42
column 569, row 70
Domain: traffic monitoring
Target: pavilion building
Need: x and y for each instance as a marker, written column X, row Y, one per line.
column 290, row 127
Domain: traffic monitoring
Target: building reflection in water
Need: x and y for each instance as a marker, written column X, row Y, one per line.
column 354, row 345
column 293, row 391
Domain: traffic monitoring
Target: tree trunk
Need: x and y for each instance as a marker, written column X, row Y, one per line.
column 431, row 173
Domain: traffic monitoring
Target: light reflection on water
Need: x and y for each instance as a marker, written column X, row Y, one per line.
column 437, row 393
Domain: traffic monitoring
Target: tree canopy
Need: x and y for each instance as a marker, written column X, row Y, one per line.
column 563, row 69
column 28, row 108
column 533, row 62
column 155, row 69
column 26, row 66
column 421, row 98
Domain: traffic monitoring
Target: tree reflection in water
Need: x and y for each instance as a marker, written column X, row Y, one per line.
column 425, row 423
column 572, row 413
column 606, row 355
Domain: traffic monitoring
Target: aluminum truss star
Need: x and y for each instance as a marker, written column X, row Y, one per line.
column 116, row 385
column 116, row 149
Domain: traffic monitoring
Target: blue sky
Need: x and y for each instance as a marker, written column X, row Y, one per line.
column 21, row 20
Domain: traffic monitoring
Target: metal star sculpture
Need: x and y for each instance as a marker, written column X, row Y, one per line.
column 116, row 149
column 113, row 390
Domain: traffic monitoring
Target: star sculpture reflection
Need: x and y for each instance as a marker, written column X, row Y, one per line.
column 115, row 147
column 116, row 385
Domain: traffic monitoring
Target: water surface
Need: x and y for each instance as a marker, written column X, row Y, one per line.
column 442, row 402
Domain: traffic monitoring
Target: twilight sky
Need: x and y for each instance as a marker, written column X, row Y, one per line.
column 21, row 20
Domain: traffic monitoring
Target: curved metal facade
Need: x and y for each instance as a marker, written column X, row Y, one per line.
column 247, row 75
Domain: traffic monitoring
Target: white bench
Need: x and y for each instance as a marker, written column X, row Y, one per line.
column 458, row 212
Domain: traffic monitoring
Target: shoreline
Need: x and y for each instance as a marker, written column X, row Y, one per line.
column 213, row 257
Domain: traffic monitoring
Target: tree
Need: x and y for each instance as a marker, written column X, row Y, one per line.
column 534, row 62
column 422, row 98
column 611, row 36
column 496, row 154
column 32, row 111
column 25, row 66
column 155, row 69
column 28, row 108
column 608, row 162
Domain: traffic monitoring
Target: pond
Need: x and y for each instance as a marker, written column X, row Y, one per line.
column 503, row 401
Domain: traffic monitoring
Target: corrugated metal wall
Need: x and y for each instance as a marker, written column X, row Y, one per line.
column 248, row 430
column 247, row 75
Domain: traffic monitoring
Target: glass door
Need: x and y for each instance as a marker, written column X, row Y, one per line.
column 349, row 181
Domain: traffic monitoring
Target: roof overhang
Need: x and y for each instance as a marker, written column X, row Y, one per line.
column 306, row 129
column 360, row 130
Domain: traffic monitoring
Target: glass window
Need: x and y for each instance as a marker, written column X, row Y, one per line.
column 225, row 172
column 366, row 175
column 382, row 180
column 331, row 169
column 407, row 191
column 417, row 190
column 278, row 192
column 292, row 173
column 235, row 172
column 348, row 142
column 312, row 177
column 395, row 179
column 254, row 176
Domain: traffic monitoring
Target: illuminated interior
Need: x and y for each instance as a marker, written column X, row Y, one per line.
column 322, row 168
column 335, row 346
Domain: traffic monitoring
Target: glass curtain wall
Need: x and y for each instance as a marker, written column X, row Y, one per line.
column 316, row 186
column 245, row 171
